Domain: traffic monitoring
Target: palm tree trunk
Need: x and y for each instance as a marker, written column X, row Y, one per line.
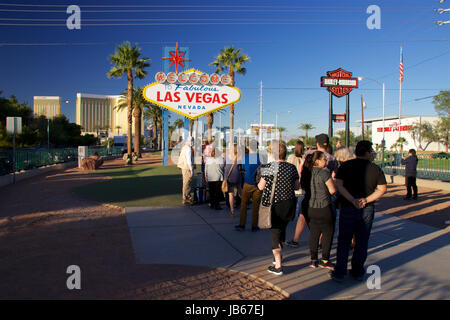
column 191, row 126
column 130, row 108
column 155, row 127
column 137, row 114
column 160, row 136
column 231, row 74
column 209, row 122
column 306, row 137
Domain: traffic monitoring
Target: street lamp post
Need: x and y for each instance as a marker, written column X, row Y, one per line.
column 383, row 142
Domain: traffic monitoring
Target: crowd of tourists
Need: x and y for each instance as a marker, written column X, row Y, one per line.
column 314, row 185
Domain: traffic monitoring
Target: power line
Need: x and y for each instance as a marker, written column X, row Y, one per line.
column 408, row 8
column 179, row 24
column 213, row 42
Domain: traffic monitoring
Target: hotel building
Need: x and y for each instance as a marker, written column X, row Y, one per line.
column 100, row 113
column 46, row 106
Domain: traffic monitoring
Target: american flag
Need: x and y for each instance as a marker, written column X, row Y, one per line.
column 401, row 64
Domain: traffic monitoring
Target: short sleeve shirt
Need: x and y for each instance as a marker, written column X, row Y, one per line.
column 285, row 185
column 250, row 165
column 361, row 177
column 320, row 196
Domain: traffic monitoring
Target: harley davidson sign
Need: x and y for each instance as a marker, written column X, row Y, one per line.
column 339, row 82
column 192, row 93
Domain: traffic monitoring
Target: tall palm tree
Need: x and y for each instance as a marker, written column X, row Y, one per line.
column 281, row 130
column 306, row 127
column 172, row 128
column 139, row 105
column 232, row 60
column 178, row 124
column 209, row 123
column 400, row 143
column 118, row 128
column 126, row 60
column 154, row 113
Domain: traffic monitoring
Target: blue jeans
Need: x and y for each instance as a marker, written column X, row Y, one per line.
column 356, row 222
column 298, row 207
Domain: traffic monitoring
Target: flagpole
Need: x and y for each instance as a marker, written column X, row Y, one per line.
column 400, row 97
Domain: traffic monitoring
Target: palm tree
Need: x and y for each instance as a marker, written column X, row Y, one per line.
column 281, row 130
column 171, row 130
column 400, row 143
column 154, row 113
column 126, row 60
column 178, row 124
column 231, row 59
column 306, row 127
column 139, row 105
column 209, row 122
column 118, row 128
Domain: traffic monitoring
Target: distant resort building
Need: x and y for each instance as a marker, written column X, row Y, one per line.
column 48, row 106
column 99, row 114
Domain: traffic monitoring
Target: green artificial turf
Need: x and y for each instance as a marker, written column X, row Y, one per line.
column 137, row 186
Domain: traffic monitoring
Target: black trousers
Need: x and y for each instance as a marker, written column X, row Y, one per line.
column 321, row 221
column 215, row 188
column 411, row 184
column 282, row 213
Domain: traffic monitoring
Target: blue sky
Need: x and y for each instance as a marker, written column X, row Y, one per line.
column 291, row 45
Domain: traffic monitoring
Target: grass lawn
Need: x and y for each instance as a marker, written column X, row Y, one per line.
column 137, row 186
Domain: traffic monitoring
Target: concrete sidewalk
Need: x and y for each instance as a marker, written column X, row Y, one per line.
column 414, row 258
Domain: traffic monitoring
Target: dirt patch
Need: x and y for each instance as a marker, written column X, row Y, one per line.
column 44, row 228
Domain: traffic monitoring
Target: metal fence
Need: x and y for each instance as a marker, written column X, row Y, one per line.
column 27, row 159
column 430, row 166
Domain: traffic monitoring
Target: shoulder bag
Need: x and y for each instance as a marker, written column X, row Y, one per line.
column 225, row 182
column 265, row 212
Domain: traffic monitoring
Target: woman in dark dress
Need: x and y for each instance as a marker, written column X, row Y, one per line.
column 233, row 172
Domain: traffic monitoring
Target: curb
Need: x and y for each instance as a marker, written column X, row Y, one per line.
column 8, row 179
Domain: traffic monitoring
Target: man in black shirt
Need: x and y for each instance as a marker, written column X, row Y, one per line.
column 360, row 183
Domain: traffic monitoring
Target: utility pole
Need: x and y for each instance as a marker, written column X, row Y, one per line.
column 276, row 121
column 400, row 96
column 260, row 117
column 347, row 122
column 362, row 117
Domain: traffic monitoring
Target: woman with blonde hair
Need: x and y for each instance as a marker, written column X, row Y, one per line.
column 343, row 154
column 232, row 174
column 214, row 177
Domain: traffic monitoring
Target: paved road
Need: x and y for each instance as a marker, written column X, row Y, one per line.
column 413, row 257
